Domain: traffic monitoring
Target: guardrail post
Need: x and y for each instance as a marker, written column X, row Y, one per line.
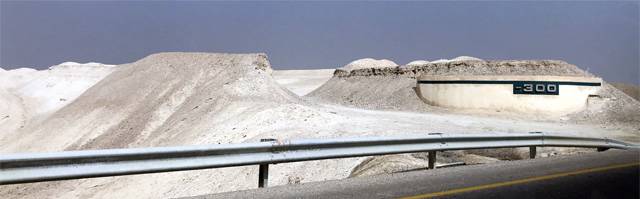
column 263, row 175
column 263, row 171
column 532, row 152
column 432, row 159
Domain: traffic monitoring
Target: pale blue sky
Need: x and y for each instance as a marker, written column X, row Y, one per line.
column 602, row 37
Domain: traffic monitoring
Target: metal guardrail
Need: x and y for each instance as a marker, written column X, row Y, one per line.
column 38, row 167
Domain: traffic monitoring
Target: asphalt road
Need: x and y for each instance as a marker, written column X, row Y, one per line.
column 609, row 174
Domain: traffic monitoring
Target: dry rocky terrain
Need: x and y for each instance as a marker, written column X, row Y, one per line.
column 629, row 89
column 175, row 99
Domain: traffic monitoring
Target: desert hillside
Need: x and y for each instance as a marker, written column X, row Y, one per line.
column 155, row 100
column 30, row 95
column 629, row 89
column 177, row 99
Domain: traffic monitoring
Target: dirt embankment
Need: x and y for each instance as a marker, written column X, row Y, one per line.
column 473, row 67
column 612, row 107
column 629, row 89
column 393, row 88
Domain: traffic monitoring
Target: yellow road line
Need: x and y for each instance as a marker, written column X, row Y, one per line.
column 520, row 181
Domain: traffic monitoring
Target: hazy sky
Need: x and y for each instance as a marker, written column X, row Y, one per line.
column 602, row 37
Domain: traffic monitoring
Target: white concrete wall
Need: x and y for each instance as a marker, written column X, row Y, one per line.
column 500, row 96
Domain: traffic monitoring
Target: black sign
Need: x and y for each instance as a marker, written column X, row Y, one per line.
column 536, row 88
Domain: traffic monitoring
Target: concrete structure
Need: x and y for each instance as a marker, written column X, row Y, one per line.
column 553, row 95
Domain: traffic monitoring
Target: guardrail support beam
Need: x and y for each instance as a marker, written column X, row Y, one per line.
column 532, row 152
column 432, row 159
column 263, row 171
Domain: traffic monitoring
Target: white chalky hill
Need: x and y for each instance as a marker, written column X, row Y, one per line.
column 178, row 99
